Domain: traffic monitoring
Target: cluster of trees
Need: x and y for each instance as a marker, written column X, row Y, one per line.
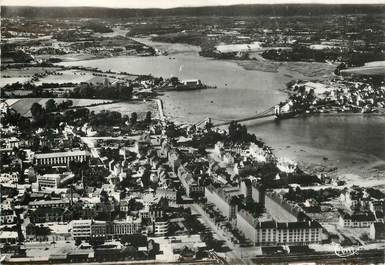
column 111, row 118
column 238, row 134
column 303, row 53
column 38, row 231
column 97, row 27
column 322, row 195
column 375, row 193
column 110, row 153
column 52, row 106
column 172, row 131
column 207, row 140
column 39, row 115
column 211, row 242
column 13, row 118
column 193, row 38
column 257, row 209
column 46, row 118
column 211, row 52
column 92, row 176
column 36, row 90
column 86, row 90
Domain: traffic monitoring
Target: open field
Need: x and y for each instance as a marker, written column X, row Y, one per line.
column 68, row 57
column 11, row 80
column 365, row 70
column 310, row 70
column 258, row 65
column 23, row 105
column 10, row 76
column 74, row 76
column 27, row 71
column 300, row 70
column 126, row 108
column 46, row 248
column 78, row 76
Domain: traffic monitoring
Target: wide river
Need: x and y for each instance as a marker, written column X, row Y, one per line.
column 347, row 141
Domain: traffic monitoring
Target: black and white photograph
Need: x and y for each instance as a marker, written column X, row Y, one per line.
column 196, row 132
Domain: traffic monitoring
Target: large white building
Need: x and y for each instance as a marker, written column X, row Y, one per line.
column 251, row 47
column 161, row 226
column 81, row 229
column 61, row 158
column 54, row 180
column 278, row 233
column 85, row 229
column 127, row 227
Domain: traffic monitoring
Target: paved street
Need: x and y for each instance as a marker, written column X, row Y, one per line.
column 235, row 255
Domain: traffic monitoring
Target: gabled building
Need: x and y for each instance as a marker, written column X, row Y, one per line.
column 356, row 220
column 192, row 187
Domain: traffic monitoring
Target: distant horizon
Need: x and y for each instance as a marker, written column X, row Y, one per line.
column 168, row 4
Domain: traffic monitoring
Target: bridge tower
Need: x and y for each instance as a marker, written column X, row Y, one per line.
column 277, row 110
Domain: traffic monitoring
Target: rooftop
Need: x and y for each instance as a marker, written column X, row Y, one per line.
column 42, row 202
column 62, row 154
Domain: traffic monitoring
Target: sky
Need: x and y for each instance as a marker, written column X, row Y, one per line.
column 171, row 3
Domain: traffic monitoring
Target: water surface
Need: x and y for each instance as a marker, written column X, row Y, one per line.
column 332, row 139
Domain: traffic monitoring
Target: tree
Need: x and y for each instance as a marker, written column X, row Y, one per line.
column 125, row 118
column 96, row 241
column 148, row 117
column 37, row 91
column 136, row 240
column 174, row 80
column 134, row 118
column 50, row 105
column 37, row 111
column 38, row 114
column 78, row 242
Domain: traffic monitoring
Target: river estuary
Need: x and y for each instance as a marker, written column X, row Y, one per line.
column 355, row 143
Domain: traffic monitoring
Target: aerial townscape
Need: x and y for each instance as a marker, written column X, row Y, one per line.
column 247, row 134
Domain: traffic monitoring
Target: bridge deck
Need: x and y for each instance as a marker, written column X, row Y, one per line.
column 245, row 119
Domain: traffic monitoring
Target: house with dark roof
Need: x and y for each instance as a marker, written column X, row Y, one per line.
column 356, row 220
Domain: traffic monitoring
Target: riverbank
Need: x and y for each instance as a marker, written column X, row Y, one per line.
column 354, row 168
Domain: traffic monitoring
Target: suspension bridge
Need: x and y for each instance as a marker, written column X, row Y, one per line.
column 270, row 112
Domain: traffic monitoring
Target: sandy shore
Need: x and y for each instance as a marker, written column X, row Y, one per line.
column 355, row 168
